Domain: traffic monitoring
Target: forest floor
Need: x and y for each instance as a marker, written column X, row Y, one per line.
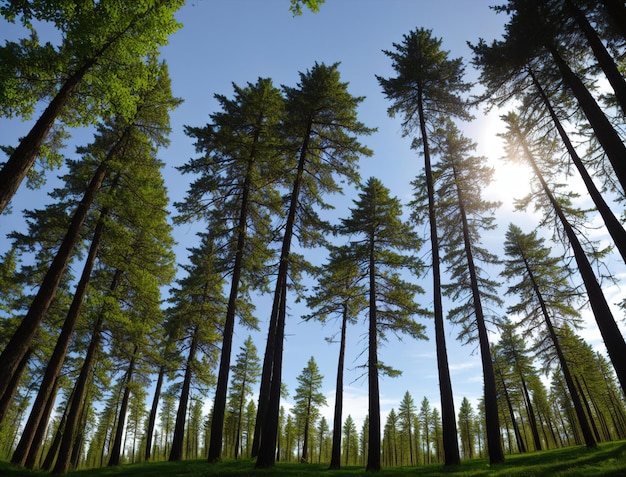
column 608, row 460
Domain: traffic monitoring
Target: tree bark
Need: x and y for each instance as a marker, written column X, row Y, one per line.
column 373, row 450
column 219, row 405
column 80, row 391
column 605, row 132
column 28, row 444
column 268, row 410
column 115, row 457
column 612, row 223
column 609, row 330
column 448, row 412
column 153, row 412
column 604, row 58
column 335, row 458
column 21, row 339
column 176, row 453
column 580, row 414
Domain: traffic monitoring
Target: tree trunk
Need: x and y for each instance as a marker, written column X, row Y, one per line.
column 80, row 391
column 448, row 412
column 604, row 58
column 40, row 433
column 494, row 445
column 23, row 157
column 305, row 441
column 242, row 400
column 28, row 443
column 335, row 458
column 531, row 415
column 609, row 330
column 608, row 138
column 268, row 410
column 518, row 437
column 115, row 458
column 176, row 452
column 580, row 414
column 373, row 451
column 219, row 405
column 25, row 154
column 612, row 223
column 13, row 383
column 20, row 341
column 617, row 14
column 153, row 412
column 267, row 448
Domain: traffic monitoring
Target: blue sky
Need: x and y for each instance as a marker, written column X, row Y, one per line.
column 226, row 41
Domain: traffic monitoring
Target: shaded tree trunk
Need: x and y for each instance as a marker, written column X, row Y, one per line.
column 269, row 394
column 23, row 157
column 448, row 413
column 612, row 223
column 176, row 453
column 373, row 450
column 335, row 458
column 604, row 58
column 605, row 132
column 531, row 415
column 29, row 444
column 153, row 413
column 219, row 405
column 518, row 437
column 115, row 458
column 609, row 330
column 80, row 391
column 580, row 414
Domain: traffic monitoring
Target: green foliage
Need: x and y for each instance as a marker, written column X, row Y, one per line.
column 313, row 5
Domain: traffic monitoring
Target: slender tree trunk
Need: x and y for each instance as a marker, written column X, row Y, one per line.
column 176, row 452
column 448, row 412
column 12, row 384
column 373, row 451
column 268, row 410
column 603, row 57
column 153, row 412
column 305, row 442
column 585, row 401
column 40, row 433
column 612, row 223
column 267, row 448
column 23, row 157
column 580, row 414
column 617, row 14
column 494, row 445
column 28, row 443
column 56, row 442
column 80, row 391
column 335, row 458
column 606, row 134
column 219, row 405
column 518, row 437
column 242, row 400
column 531, row 415
column 20, row 341
column 115, row 458
column 609, row 330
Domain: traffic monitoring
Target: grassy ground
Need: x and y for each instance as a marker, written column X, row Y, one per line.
column 608, row 460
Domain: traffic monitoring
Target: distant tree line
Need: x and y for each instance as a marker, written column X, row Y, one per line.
column 98, row 367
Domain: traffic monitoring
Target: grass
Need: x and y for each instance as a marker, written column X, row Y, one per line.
column 608, row 460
